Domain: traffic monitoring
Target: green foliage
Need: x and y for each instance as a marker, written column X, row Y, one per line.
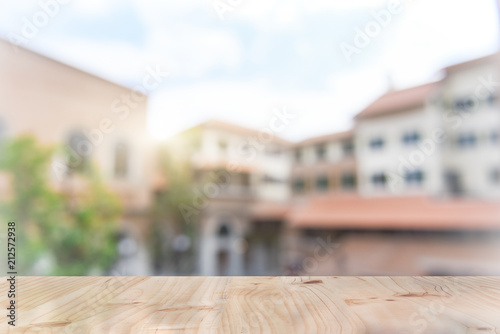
column 179, row 187
column 175, row 165
column 78, row 232
column 89, row 238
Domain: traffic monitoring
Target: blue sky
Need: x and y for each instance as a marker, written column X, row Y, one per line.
column 262, row 55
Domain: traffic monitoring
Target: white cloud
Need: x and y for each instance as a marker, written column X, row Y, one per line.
column 188, row 49
column 86, row 55
column 193, row 51
column 431, row 34
column 272, row 10
column 417, row 43
column 95, row 7
column 246, row 103
column 12, row 13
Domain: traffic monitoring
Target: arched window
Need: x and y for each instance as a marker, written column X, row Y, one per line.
column 121, row 160
column 79, row 149
column 3, row 130
column 223, row 231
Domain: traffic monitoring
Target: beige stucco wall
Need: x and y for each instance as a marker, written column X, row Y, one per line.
column 375, row 253
column 47, row 99
column 474, row 164
column 396, row 158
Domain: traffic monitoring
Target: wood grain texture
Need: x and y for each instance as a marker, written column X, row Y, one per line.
column 255, row 305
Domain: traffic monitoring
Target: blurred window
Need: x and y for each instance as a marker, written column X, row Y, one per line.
column 121, row 160
column 245, row 179
column 494, row 136
column 453, row 183
column 348, row 181
column 466, row 140
column 298, row 185
column 415, row 177
column 348, row 148
column 322, row 183
column 377, row 143
column 245, row 148
column 298, row 154
column 270, row 179
column 220, row 176
column 411, row 138
column 491, row 99
column 495, row 176
column 273, row 151
column 223, row 145
column 321, row 151
column 222, row 262
column 223, row 230
column 464, row 104
column 379, row 179
column 80, row 149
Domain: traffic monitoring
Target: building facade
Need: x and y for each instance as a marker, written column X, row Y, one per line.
column 426, row 200
column 413, row 188
column 471, row 122
column 94, row 120
column 238, row 172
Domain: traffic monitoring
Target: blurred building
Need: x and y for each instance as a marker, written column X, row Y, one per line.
column 469, row 104
column 324, row 164
column 427, row 202
column 96, row 120
column 387, row 134
column 239, row 173
column 412, row 189
column 423, row 140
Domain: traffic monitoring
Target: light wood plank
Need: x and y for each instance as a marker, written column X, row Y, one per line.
column 255, row 305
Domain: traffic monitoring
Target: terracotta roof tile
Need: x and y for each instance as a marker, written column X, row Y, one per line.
column 397, row 101
column 474, row 62
column 420, row 213
column 326, row 138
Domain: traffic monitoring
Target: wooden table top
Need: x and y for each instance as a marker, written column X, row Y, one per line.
column 254, row 305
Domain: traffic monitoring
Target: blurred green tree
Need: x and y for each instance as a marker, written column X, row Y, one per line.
column 77, row 232
column 169, row 216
